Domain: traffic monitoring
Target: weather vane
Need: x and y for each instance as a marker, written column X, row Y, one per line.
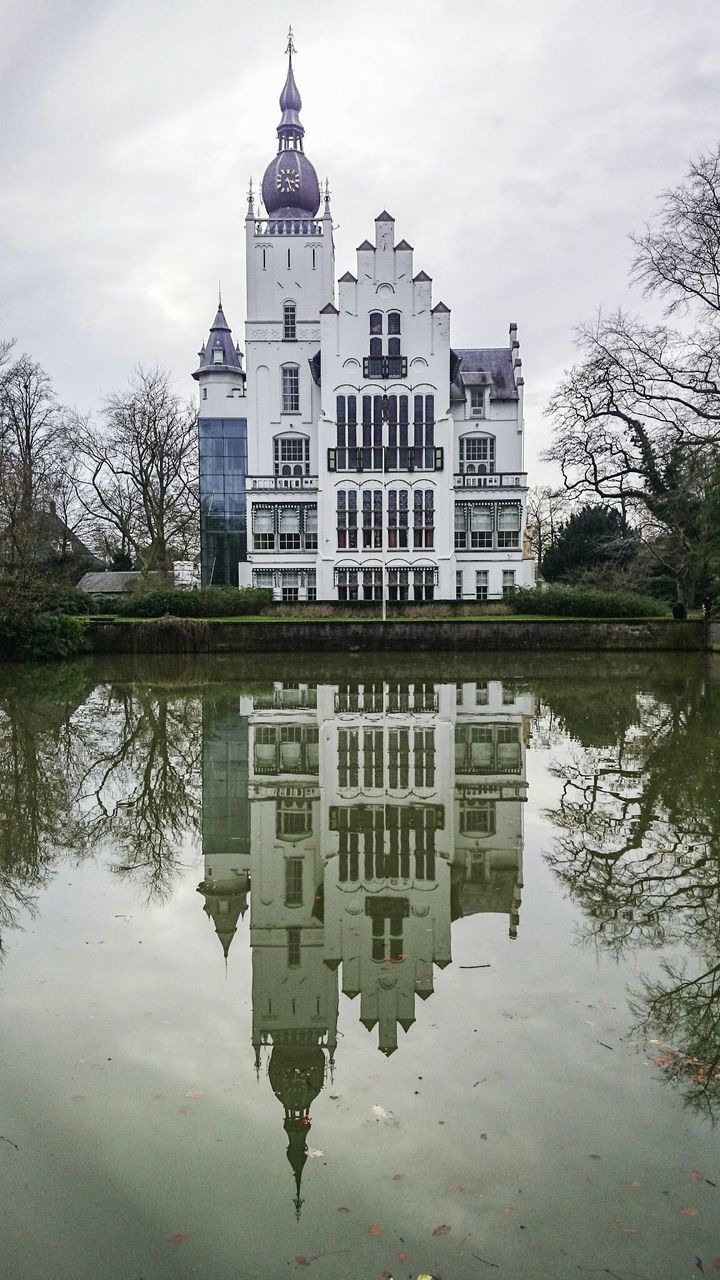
column 291, row 43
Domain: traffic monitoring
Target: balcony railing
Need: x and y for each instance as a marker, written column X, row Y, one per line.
column 288, row 227
column 492, row 480
column 369, row 458
column 281, row 482
column 385, row 367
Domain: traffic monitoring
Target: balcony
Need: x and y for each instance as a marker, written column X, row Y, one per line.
column 493, row 480
column 385, row 367
column 375, row 459
column 288, row 227
column 272, row 484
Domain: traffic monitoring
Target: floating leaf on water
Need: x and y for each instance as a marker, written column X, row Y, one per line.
column 688, row 1212
column 402, row 1257
column 180, row 1238
column 374, row 1229
column 699, row 1177
column 301, row 1260
column 398, row 1177
column 637, row 1184
column 444, row 1230
column 184, row 1111
column 341, row 1209
column 455, row 1186
column 194, row 1093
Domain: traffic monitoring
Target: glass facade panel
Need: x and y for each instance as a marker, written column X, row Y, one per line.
column 223, row 468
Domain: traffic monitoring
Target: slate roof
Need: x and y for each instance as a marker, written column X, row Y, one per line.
column 404, row 245
column 220, row 340
column 365, row 245
column 421, row 275
column 348, row 278
column 440, row 306
column 496, row 362
column 384, row 217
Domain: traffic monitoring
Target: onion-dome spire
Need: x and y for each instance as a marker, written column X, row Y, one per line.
column 290, row 185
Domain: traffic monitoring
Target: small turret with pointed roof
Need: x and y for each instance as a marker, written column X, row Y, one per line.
column 220, row 354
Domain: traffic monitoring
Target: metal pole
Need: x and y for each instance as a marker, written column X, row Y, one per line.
column 383, row 532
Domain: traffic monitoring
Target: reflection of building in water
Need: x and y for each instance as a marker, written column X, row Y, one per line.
column 366, row 817
column 225, row 815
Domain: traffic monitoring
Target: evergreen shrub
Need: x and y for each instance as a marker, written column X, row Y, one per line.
column 26, row 636
column 584, row 602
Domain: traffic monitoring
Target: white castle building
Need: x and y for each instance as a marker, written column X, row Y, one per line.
column 360, row 456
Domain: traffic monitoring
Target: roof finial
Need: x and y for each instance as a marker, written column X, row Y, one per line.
column 290, row 50
column 250, row 194
column 219, row 297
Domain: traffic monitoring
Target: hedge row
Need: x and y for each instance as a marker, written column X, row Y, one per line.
column 585, row 602
column 208, row 602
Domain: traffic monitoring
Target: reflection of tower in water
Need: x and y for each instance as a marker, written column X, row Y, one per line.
column 367, row 817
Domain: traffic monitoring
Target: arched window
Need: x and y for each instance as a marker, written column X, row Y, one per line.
column 292, row 455
column 477, row 455
column 393, row 325
column 376, row 346
column 290, row 388
column 289, row 322
column 376, row 322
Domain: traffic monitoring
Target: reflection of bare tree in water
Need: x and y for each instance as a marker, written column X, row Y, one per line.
column 38, row 762
column 141, row 790
column 115, row 768
column 638, row 846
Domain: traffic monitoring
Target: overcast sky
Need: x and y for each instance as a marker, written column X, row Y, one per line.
column 516, row 142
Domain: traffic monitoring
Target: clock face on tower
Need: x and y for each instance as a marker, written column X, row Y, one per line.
column 287, row 181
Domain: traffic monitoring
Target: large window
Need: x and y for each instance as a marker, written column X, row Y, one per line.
column 359, row 584
column 347, row 519
column 423, row 518
column 372, row 518
column 482, row 578
column 477, row 455
column 291, row 455
column 412, row 584
column 477, row 401
column 284, row 528
column 509, row 526
column 287, row 584
column 398, row 517
column 290, row 388
column 289, row 322
column 487, row 526
column 473, row 526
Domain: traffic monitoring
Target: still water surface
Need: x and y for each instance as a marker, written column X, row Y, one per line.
column 360, row 968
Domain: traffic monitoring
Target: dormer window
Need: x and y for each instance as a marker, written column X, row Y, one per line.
column 477, row 402
column 289, row 322
column 218, row 355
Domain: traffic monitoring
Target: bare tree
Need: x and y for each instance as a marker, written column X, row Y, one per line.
column 637, row 421
column 34, row 462
column 547, row 508
column 140, row 485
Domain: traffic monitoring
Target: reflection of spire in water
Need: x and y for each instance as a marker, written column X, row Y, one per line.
column 225, row 904
column 297, row 1074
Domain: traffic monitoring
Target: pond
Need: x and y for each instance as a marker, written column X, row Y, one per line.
column 360, row 967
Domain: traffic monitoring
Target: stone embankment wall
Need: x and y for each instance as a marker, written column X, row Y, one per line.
column 318, row 636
